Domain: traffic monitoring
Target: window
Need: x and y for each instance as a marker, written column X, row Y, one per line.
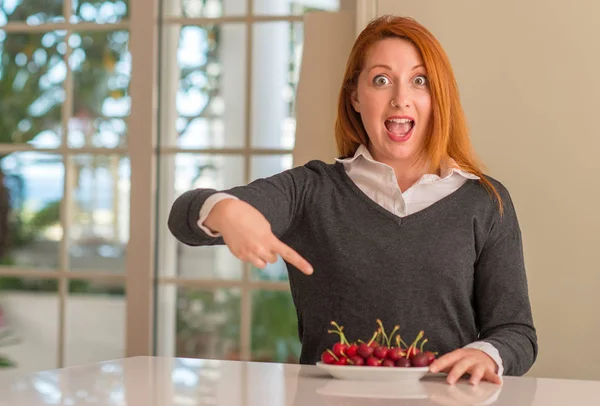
column 228, row 78
column 80, row 140
column 65, row 70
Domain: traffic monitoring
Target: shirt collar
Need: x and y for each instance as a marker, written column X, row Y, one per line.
column 448, row 168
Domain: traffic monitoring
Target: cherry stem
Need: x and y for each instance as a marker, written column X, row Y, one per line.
column 333, row 355
column 415, row 343
column 385, row 338
column 389, row 341
column 343, row 339
column 333, row 323
column 342, row 336
column 399, row 341
column 374, row 337
column 423, row 343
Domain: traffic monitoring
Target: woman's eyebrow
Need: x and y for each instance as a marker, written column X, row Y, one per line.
column 379, row 65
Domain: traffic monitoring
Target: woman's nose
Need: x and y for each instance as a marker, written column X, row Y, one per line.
column 402, row 97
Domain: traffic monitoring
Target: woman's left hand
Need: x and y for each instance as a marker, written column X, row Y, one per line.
column 467, row 360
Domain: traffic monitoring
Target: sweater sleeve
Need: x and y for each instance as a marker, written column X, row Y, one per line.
column 279, row 198
column 501, row 295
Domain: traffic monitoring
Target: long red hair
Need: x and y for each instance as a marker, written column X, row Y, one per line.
column 449, row 136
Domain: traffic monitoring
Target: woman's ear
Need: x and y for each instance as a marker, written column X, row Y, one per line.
column 355, row 103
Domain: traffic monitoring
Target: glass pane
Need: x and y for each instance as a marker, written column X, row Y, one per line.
column 263, row 166
column 186, row 172
column 285, row 7
column 101, row 64
column 28, row 324
column 276, row 272
column 99, row 11
column 95, row 322
column 195, row 323
column 30, row 199
column 274, row 83
column 99, row 229
column 204, row 91
column 32, row 72
column 207, row 263
column 32, row 12
column 204, row 8
column 274, row 327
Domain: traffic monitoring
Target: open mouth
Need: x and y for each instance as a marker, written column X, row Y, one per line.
column 399, row 129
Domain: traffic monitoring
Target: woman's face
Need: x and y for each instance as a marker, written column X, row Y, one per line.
column 394, row 101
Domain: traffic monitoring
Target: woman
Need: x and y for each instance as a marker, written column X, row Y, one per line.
column 404, row 227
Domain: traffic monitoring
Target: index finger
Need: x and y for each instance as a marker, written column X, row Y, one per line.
column 445, row 361
column 291, row 256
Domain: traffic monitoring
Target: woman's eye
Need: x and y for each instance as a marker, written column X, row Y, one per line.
column 420, row 80
column 380, row 80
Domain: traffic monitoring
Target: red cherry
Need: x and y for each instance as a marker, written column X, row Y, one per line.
column 388, row 363
column 395, row 353
column 352, row 350
column 339, row 349
column 419, row 360
column 380, row 352
column 328, row 358
column 357, row 360
column 373, row 362
column 430, row 356
column 365, row 351
column 403, row 363
column 342, row 361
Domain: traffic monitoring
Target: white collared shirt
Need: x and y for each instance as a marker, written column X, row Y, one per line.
column 378, row 181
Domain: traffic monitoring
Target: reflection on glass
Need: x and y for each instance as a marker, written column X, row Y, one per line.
column 274, row 327
column 205, row 71
column 101, row 64
column 99, row 229
column 106, row 389
column 198, row 323
column 31, row 12
column 274, row 83
column 206, row 382
column 204, row 8
column 100, row 337
column 31, row 190
column 28, row 324
column 32, row 72
column 296, row 7
column 99, row 11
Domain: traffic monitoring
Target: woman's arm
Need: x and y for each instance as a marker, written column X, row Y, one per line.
column 501, row 295
column 251, row 226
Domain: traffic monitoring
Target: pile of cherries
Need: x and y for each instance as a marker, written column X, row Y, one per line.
column 379, row 351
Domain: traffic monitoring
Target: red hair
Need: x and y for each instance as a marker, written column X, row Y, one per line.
column 449, row 136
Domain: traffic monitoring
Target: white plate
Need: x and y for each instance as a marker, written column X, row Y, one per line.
column 381, row 374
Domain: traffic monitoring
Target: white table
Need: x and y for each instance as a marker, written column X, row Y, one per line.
column 156, row 381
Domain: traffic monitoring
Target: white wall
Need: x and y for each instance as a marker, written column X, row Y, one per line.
column 528, row 74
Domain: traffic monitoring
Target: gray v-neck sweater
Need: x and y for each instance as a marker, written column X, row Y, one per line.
column 454, row 269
